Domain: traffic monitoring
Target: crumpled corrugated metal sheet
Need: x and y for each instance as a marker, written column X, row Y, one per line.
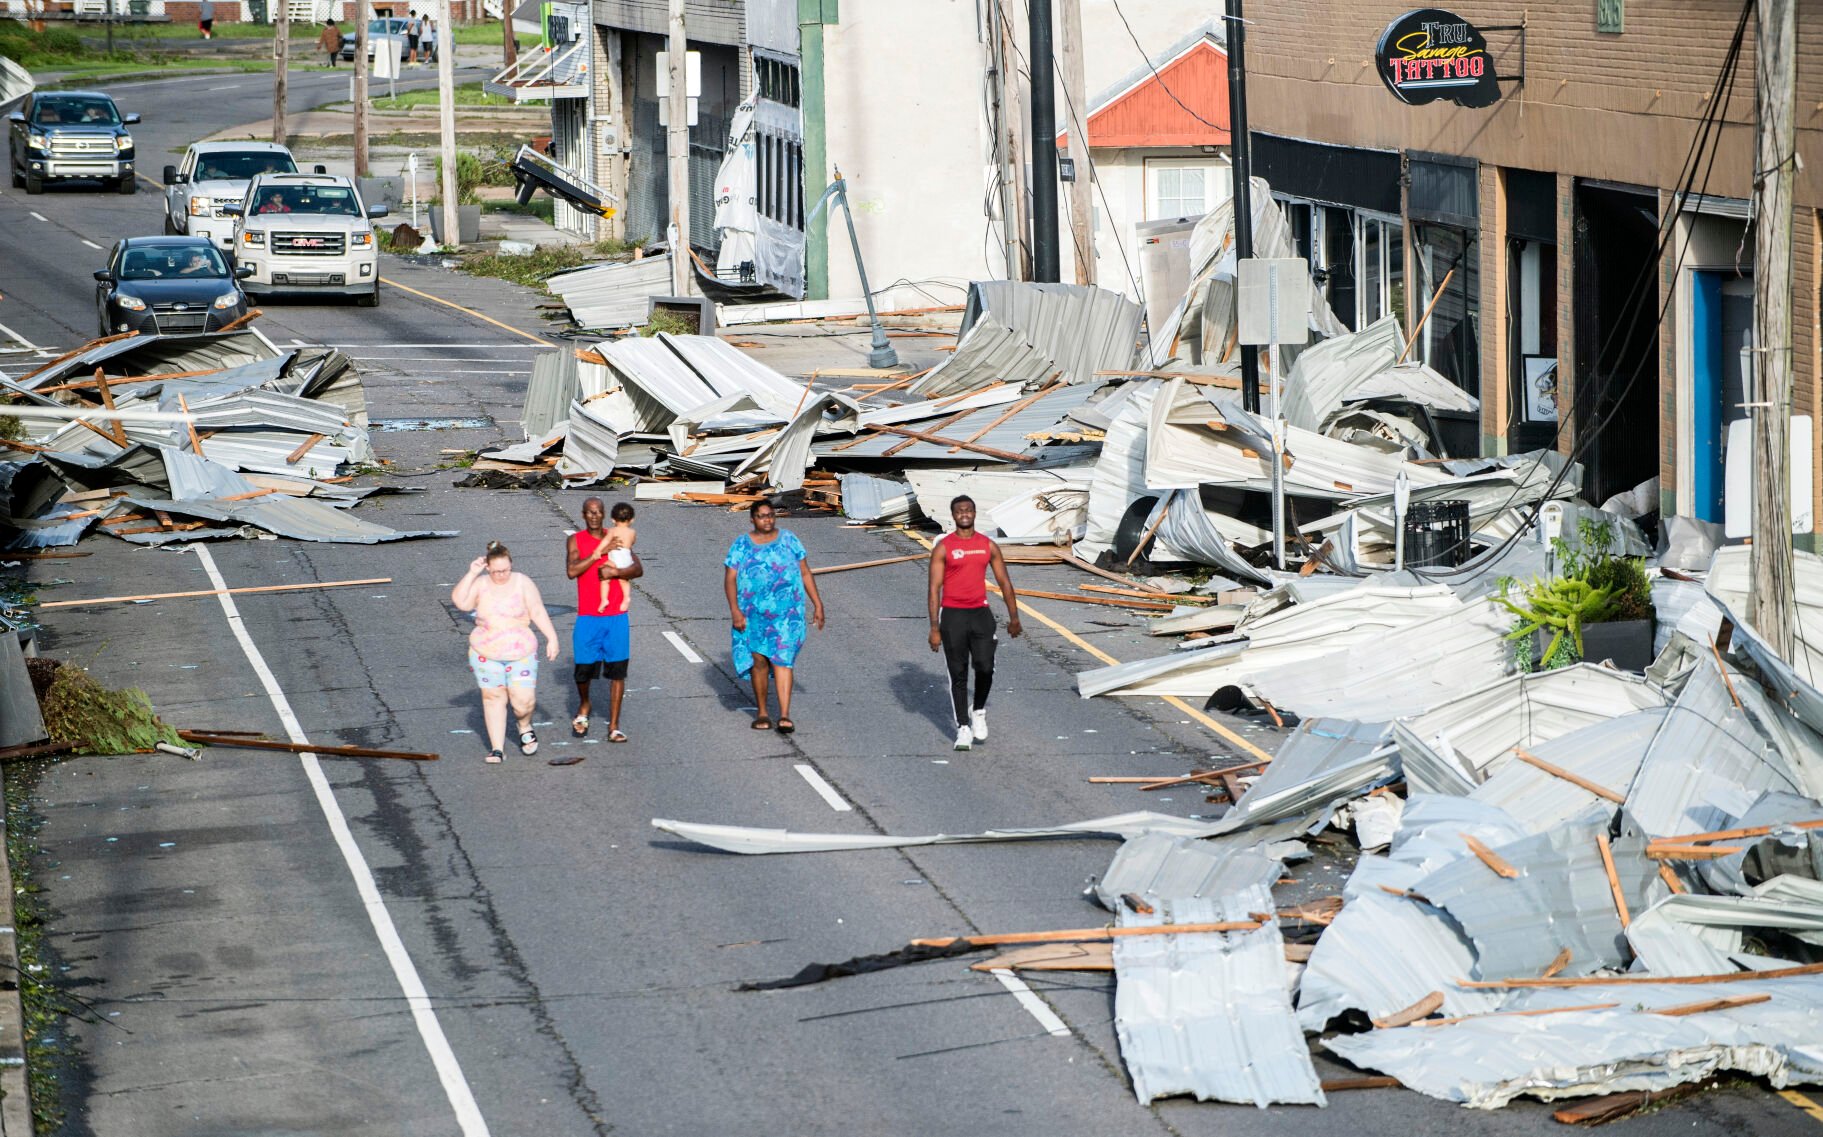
column 1120, row 469
column 1802, row 674
column 591, row 448
column 153, row 355
column 742, row 839
column 554, row 385
column 730, row 371
column 1157, row 866
column 301, row 518
column 1327, row 372
column 615, row 295
column 1324, row 762
column 1692, row 934
column 1482, row 727
column 1382, row 954
column 662, row 385
column 1431, row 829
column 1189, row 532
column 270, row 451
column 991, row 352
column 1607, row 753
column 1725, row 874
column 1209, row 1014
column 1083, row 329
column 1561, row 899
column 866, row 497
column 1039, row 416
column 1488, row 1061
column 189, row 477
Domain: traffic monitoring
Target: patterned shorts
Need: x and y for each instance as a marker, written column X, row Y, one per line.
column 503, row 673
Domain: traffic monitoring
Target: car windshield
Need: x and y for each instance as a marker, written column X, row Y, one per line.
column 386, row 28
column 240, row 167
column 71, row 110
column 172, row 262
column 306, row 199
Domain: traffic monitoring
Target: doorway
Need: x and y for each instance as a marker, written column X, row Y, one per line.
column 1721, row 328
column 1616, row 328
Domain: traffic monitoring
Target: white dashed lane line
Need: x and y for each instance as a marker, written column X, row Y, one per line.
column 824, row 790
column 38, row 215
column 90, row 243
column 683, row 649
column 1047, row 1018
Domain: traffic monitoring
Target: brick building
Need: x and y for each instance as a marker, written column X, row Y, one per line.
column 1530, row 221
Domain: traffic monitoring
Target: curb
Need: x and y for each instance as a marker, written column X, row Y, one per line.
column 15, row 1090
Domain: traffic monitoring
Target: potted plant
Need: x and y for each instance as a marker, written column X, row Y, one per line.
column 1597, row 607
column 469, row 175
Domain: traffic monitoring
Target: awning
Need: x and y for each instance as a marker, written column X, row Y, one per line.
column 533, row 171
column 545, row 73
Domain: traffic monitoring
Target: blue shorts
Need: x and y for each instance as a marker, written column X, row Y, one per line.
column 601, row 639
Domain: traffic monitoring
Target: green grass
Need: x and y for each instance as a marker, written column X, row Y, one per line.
column 540, row 208
column 488, row 34
column 529, row 270
column 467, row 95
column 115, row 68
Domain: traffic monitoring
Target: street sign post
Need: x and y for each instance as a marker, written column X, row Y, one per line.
column 1272, row 307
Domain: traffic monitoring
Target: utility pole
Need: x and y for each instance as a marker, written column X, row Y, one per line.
column 1774, row 599
column 363, row 15
column 281, row 59
column 509, row 41
column 1003, row 160
column 1082, row 188
column 677, row 149
column 1044, row 143
column 446, row 105
column 1242, row 166
column 1012, row 109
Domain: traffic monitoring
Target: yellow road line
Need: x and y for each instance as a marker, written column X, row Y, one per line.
column 1025, row 606
column 468, row 311
column 1810, row 1107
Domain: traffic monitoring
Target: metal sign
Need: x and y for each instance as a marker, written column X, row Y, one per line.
column 1273, row 305
column 1430, row 55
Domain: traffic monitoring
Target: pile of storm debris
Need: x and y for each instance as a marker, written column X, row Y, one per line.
column 164, row 438
column 1572, row 882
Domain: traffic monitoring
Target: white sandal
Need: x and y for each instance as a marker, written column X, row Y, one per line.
column 579, row 725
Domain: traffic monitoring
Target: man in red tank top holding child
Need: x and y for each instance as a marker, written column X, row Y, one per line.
column 961, row 623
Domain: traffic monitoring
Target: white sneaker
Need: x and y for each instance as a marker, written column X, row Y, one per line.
column 977, row 721
column 965, row 738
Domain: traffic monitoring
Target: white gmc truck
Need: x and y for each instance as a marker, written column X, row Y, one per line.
column 307, row 233
column 213, row 176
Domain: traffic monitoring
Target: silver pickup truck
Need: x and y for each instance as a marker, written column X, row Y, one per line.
column 214, row 175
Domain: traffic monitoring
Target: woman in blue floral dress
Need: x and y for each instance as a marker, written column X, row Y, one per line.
column 767, row 581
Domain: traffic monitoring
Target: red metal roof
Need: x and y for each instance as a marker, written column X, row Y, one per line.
column 1145, row 114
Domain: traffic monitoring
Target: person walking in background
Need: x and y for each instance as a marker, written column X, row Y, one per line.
column 961, row 623
column 603, row 569
column 767, row 579
column 331, row 40
column 414, row 28
column 430, row 39
column 502, row 651
column 205, row 18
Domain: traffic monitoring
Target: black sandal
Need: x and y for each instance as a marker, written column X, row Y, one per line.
column 494, row 757
column 528, row 742
column 762, row 723
column 786, row 726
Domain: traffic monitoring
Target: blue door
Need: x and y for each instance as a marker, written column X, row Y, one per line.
column 1706, row 405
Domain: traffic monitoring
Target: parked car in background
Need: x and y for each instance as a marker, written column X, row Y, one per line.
column 308, row 233
column 63, row 135
column 167, row 286
column 213, row 175
column 385, row 26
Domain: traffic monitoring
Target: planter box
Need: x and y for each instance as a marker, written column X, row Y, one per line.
column 468, row 224
column 1625, row 643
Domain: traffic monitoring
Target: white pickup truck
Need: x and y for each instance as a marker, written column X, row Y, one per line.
column 214, row 175
column 305, row 233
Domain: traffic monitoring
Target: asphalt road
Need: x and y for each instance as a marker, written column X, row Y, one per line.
column 578, row 968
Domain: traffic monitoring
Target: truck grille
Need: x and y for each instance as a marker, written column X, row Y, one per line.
column 171, row 323
column 308, row 244
column 79, row 146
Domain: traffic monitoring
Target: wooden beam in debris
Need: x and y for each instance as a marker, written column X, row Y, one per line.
column 303, row 448
column 1607, row 865
column 218, row 592
column 1604, row 980
column 973, row 447
column 196, row 444
column 1732, row 834
column 1517, row 1014
column 1614, row 1107
column 1598, row 790
column 1117, row 578
column 69, row 355
column 1224, row 381
column 116, row 381
column 247, row 317
column 1423, row 1008
column 1012, row 410
column 246, row 743
column 1138, row 594
column 871, row 564
column 36, row 750
column 1114, row 601
column 1489, row 857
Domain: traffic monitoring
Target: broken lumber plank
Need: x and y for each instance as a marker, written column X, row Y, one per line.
column 218, row 592
column 871, row 564
column 1614, row 1107
column 1708, row 1005
column 935, row 428
column 250, row 494
column 1597, row 789
column 1205, row 776
column 1086, row 935
column 1732, row 834
column 1368, row 1082
column 1598, row 980
column 1677, row 852
column 1115, row 601
column 246, row 317
column 1423, row 1008
column 1607, row 864
column 1137, row 594
column 1316, row 558
column 1489, row 857
column 1146, row 538
column 69, row 355
column 1012, row 410
column 117, row 380
column 36, row 750
column 196, row 444
column 1558, row 964
column 160, row 528
column 939, row 440
column 246, row 743
column 1117, row 578
column 1520, row 1014
column 1052, row 957
column 303, row 448
column 1669, row 875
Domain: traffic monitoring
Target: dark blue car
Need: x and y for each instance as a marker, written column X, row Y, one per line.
column 167, row 286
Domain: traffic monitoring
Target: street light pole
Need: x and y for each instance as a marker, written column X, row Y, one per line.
column 1242, row 165
column 1044, row 145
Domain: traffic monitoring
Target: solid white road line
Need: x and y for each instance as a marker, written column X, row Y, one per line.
column 38, row 215
column 449, row 1070
column 1047, row 1018
column 823, row 788
column 90, row 243
column 19, row 339
column 683, row 648
column 229, row 87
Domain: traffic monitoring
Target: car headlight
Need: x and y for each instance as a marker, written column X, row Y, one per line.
column 123, row 142
column 252, row 238
column 202, row 206
column 227, row 300
column 361, row 240
column 130, row 303
column 38, row 141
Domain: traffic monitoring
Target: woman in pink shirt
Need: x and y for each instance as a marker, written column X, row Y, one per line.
column 502, row 651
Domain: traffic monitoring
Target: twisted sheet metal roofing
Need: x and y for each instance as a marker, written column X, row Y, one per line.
column 990, row 352
column 1188, row 531
column 866, row 497
column 1327, row 371
column 1157, row 866
column 148, row 355
column 731, row 371
column 1382, row 954
column 301, row 518
column 1488, row 1061
column 1209, row 1014
column 1040, row 415
column 1692, row 934
column 270, row 451
column 661, row 384
column 1607, row 752
column 553, row 386
column 1560, row 899
column 1081, row 328
column 742, row 839
column 1482, row 727
column 613, row 295
column 1324, row 762
column 591, row 448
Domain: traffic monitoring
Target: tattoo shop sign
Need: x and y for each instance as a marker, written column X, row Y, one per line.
column 1431, row 54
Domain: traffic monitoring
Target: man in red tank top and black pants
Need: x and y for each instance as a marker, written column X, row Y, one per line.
column 961, row 623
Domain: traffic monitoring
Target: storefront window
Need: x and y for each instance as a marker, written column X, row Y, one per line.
column 1448, row 286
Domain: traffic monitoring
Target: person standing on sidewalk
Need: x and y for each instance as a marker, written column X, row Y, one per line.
column 331, row 40
column 414, row 28
column 603, row 640
column 961, row 623
column 205, row 18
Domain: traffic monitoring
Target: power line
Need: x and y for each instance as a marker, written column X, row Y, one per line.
column 1161, row 79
